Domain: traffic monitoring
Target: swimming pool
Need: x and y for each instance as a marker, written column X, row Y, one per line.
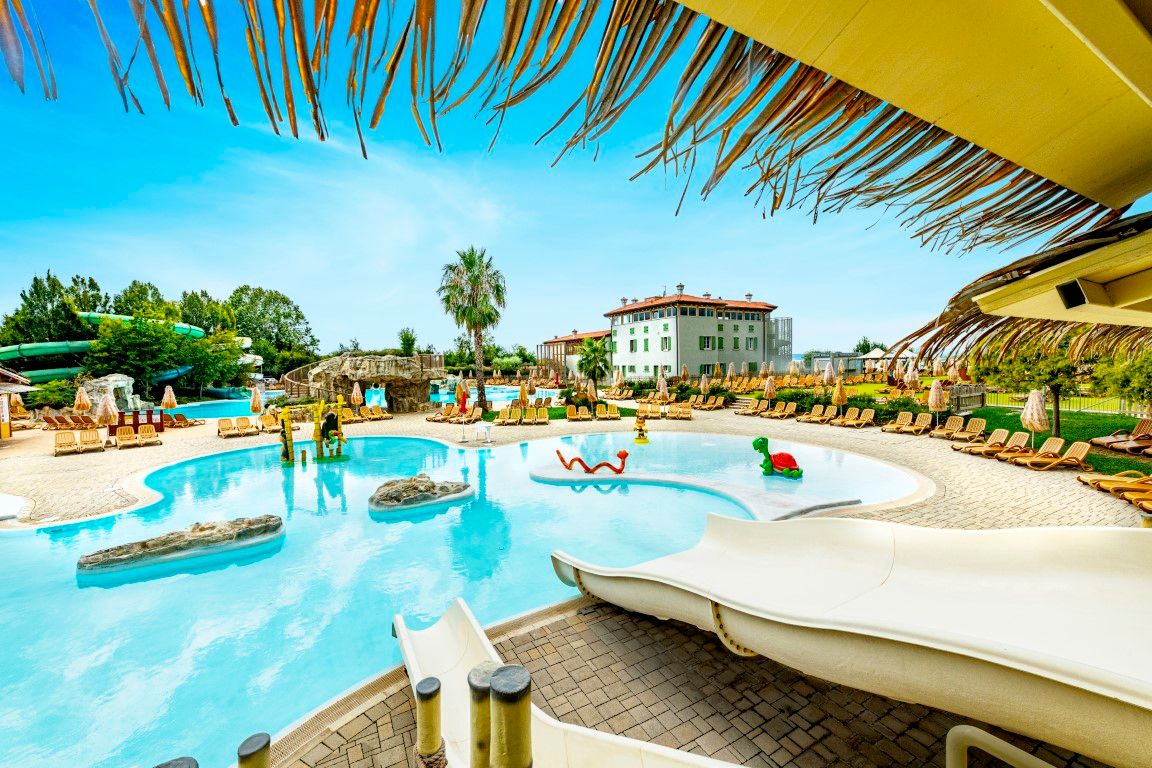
column 220, row 409
column 134, row 669
column 497, row 395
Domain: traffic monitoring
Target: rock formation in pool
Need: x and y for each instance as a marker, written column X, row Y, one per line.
column 405, row 379
column 198, row 536
column 415, row 491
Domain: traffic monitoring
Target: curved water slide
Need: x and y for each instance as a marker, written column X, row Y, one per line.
column 454, row 645
column 47, row 348
column 1043, row 631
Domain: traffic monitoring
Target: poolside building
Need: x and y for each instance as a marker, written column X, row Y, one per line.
column 664, row 333
column 11, row 383
column 561, row 354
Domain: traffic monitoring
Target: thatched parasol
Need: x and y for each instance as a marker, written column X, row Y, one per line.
column 937, row 400
column 82, row 403
column 256, row 404
column 357, row 396
column 107, row 413
column 937, row 368
column 898, row 372
column 705, row 384
column 912, row 378
column 953, row 372
column 839, row 394
column 684, row 375
column 717, row 371
column 840, row 368
column 1034, row 417
column 168, row 402
column 592, row 396
column 744, row 368
column 770, row 388
column 829, row 374
column 793, row 369
column 662, row 385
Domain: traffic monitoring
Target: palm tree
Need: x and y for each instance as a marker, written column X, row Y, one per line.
column 472, row 292
column 593, row 361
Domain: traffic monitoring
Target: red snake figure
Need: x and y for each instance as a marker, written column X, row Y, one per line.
column 568, row 463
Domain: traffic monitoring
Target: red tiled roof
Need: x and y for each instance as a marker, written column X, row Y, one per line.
column 578, row 337
column 684, row 298
column 12, row 376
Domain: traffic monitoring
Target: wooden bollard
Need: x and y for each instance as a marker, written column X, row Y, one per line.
column 429, row 743
column 480, row 685
column 511, row 700
column 255, row 752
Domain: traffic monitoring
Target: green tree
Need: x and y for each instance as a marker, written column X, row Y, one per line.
column 199, row 308
column 1129, row 378
column 866, row 345
column 86, row 295
column 407, row 342
column 142, row 299
column 472, row 292
column 270, row 316
column 1026, row 369
column 593, row 360
column 505, row 364
column 45, row 314
column 138, row 348
column 215, row 360
column 526, row 357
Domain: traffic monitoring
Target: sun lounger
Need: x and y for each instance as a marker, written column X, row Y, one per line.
column 903, row 419
column 601, row 411
column 951, row 426
column 867, row 418
column 50, row 422
column 348, row 417
column 1073, row 458
column 570, row 413
column 919, row 426
column 225, row 428
column 529, row 416
column 829, row 414
column 1128, row 480
column 788, row 412
column 126, row 438
column 169, row 422
column 440, row 415
column 995, row 440
column 148, row 436
column 613, row 412
column 65, row 442
column 450, row 648
column 973, row 430
column 1018, row 441
column 1143, row 427
column 90, row 440
column 583, row 414
column 184, row 421
column 380, row 413
column 270, row 423
column 936, row 617
column 816, row 412
column 1051, row 445
column 245, row 426
column 471, row 417
column 75, row 421
column 543, row 418
column 501, row 417
column 757, row 407
column 849, row 415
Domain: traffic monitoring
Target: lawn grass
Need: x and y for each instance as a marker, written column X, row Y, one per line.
column 1073, row 427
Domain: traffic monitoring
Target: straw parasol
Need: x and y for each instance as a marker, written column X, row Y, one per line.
column 937, row 401
column 731, row 372
column 793, row 369
column 870, row 366
column 829, row 374
column 256, row 404
column 717, row 371
column 662, row 385
column 953, row 372
column 684, row 375
column 1034, row 417
column 840, row 368
column 619, row 380
column 744, row 368
column 912, row 378
column 592, row 390
column 81, row 403
column 168, row 402
column 357, row 396
column 898, row 372
column 763, row 369
column 523, row 394
column 531, row 387
column 937, row 368
column 705, row 383
column 107, row 413
column 839, row 394
column 770, row 389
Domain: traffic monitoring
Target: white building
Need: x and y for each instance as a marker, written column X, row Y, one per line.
column 665, row 333
column 562, row 353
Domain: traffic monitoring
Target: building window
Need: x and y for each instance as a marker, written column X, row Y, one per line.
column 632, row 331
column 665, row 343
column 665, row 326
column 645, row 345
column 720, row 343
column 631, row 345
column 751, row 342
column 645, row 329
column 720, row 327
column 631, row 369
column 705, row 342
column 613, row 347
column 751, row 329
column 735, row 344
column 705, row 368
column 645, row 369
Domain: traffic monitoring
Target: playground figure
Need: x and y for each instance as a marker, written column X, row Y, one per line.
column 330, row 433
column 641, row 431
column 569, row 463
column 777, row 463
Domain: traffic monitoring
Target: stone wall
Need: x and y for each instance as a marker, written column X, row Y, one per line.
column 406, row 384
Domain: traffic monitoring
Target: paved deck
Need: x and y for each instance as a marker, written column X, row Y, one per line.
column 672, row 684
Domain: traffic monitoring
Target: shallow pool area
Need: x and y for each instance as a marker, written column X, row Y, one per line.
column 220, row 409
column 134, row 668
column 498, row 395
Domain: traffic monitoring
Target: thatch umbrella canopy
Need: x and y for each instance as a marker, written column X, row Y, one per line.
column 869, row 366
column 618, row 381
column 82, row 403
column 168, row 402
column 937, row 400
column 107, row 413
column 839, row 394
column 770, row 388
column 793, row 369
column 256, row 404
column 744, row 368
column 1034, row 417
column 523, row 393
column 357, row 396
column 684, row 375
column 937, row 368
column 662, row 385
column 717, row 371
column 705, row 384
column 912, row 378
column 15, row 399
column 840, row 368
column 953, row 372
column 592, row 391
column 829, row 374
column 898, row 372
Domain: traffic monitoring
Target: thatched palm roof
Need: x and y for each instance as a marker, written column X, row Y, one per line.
column 799, row 136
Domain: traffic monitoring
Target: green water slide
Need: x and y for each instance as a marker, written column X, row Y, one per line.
column 47, row 348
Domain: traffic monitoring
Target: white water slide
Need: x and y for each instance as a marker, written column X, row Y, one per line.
column 1043, row 631
column 454, row 645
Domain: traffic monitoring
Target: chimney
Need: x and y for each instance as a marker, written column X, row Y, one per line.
column 574, row 331
column 634, row 299
column 707, row 295
column 748, row 297
column 680, row 288
column 623, row 301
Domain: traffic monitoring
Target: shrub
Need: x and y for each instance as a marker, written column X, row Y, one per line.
column 60, row 393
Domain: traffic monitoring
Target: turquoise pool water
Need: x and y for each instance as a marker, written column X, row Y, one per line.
column 134, row 669
column 497, row 395
column 220, row 409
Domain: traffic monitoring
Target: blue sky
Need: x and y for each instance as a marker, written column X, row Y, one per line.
column 186, row 201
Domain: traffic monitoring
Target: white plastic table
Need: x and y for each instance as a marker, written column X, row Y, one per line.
column 484, row 429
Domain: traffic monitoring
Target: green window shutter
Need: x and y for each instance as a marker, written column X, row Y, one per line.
column 701, row 342
column 720, row 341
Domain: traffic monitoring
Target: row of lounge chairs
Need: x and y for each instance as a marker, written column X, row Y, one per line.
column 75, row 421
column 540, row 402
column 705, row 403
column 1131, row 485
column 69, row 442
column 530, row 416
column 617, row 393
column 450, row 414
column 367, row 413
column 1137, row 440
column 1015, row 450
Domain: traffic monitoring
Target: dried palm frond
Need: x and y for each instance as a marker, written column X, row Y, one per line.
column 962, row 329
column 803, row 137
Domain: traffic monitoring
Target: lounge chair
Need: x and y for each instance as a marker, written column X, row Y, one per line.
column 1018, row 441
column 995, row 440
column 1138, row 443
column 380, row 413
column 1143, row 427
column 613, row 412
column 225, row 428
column 440, row 415
column 1052, row 445
column 88, row 421
column 148, row 436
column 788, row 412
column 1122, row 482
column 168, row 421
column 50, row 422
column 548, row 402
column 90, row 440
column 849, row 415
column 583, row 414
column 270, row 424
column 77, row 421
column 951, row 426
column 919, row 426
column 972, row 431
column 757, row 407
column 529, row 416
column 570, row 413
column 816, row 412
column 350, row 418
column 245, row 426
column 184, row 421
column 367, row 414
column 829, row 414
column 471, row 417
column 542, row 417
column 903, row 419
column 601, row 411
column 1073, row 458
column 65, row 442
column 930, row 615
column 501, row 417
column 126, row 438
column 867, row 418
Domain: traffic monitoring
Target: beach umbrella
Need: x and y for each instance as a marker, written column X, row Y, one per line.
column 763, row 369
column 16, row 400
column 357, row 396
column 81, row 403
column 953, row 372
column 619, row 380
column 793, row 369
column 592, row 391
column 937, row 368
column 898, row 373
column 840, row 368
column 731, row 373
column 531, row 387
column 704, row 384
column 744, row 368
column 461, row 397
column 684, row 375
column 256, row 404
column 662, row 386
column 912, row 378
column 839, row 394
column 869, row 366
column 107, row 413
column 770, row 388
column 937, row 402
column 1034, row 417
column 168, row 402
column 523, row 394
column 717, row 371
column 829, row 374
